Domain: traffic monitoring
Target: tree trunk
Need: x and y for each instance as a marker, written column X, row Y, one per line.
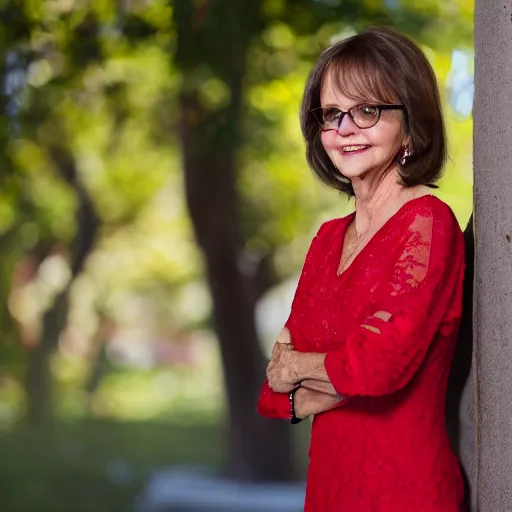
column 38, row 380
column 258, row 449
column 493, row 262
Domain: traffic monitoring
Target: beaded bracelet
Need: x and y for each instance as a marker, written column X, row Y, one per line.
column 293, row 419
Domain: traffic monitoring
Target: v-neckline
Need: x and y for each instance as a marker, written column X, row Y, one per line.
column 350, row 218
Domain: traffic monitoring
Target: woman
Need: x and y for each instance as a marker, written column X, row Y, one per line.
column 368, row 345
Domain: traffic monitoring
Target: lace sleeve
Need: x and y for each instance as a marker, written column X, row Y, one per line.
column 386, row 350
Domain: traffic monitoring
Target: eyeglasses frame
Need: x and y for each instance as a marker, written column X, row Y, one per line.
column 343, row 113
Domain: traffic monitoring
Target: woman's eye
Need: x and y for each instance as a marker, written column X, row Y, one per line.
column 368, row 110
column 331, row 114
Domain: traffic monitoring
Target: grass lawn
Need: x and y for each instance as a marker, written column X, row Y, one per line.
column 101, row 466
column 94, row 466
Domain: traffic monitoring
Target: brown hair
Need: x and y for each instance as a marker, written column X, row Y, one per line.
column 384, row 66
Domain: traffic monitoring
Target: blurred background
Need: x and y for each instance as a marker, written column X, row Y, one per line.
column 155, row 211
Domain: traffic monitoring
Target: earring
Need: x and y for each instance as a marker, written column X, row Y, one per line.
column 405, row 156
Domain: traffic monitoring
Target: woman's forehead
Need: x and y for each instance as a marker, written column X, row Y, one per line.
column 351, row 84
column 330, row 94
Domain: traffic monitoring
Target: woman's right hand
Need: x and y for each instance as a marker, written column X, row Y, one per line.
column 281, row 376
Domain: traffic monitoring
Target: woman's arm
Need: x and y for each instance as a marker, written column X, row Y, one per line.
column 272, row 404
column 309, row 402
column 284, row 364
column 287, row 368
column 321, row 386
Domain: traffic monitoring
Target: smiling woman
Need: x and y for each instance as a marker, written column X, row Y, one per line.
column 369, row 342
column 385, row 72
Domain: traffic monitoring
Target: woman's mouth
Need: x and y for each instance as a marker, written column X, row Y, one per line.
column 355, row 149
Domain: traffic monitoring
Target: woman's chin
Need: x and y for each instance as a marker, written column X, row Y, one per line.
column 352, row 174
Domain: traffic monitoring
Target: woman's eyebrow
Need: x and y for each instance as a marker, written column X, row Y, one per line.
column 332, row 105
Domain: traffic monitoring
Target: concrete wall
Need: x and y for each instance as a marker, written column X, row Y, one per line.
column 493, row 262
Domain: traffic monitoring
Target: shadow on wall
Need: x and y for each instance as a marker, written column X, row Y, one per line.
column 460, row 404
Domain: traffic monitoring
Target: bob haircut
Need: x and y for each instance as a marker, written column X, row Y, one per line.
column 380, row 65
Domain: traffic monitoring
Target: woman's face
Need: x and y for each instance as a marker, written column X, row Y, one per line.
column 356, row 152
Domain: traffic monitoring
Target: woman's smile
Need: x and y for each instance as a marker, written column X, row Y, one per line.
column 354, row 149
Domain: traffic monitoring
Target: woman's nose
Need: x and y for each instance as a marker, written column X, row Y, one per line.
column 347, row 126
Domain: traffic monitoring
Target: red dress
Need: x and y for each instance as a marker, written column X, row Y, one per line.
column 385, row 449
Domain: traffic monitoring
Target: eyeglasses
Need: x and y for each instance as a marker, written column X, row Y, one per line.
column 363, row 116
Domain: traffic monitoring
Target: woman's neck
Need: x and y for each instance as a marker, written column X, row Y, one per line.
column 377, row 200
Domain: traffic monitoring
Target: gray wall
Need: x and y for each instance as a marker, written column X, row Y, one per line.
column 493, row 263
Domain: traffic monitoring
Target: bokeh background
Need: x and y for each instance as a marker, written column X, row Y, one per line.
column 155, row 210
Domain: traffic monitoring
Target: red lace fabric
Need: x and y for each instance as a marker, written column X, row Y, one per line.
column 386, row 448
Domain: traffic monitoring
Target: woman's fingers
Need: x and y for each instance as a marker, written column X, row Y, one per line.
column 278, row 373
column 279, row 370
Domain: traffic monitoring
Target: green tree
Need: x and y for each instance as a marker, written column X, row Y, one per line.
column 71, row 170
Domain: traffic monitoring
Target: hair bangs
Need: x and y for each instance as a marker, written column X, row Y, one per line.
column 360, row 77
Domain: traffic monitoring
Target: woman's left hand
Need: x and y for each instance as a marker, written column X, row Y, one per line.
column 281, row 374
